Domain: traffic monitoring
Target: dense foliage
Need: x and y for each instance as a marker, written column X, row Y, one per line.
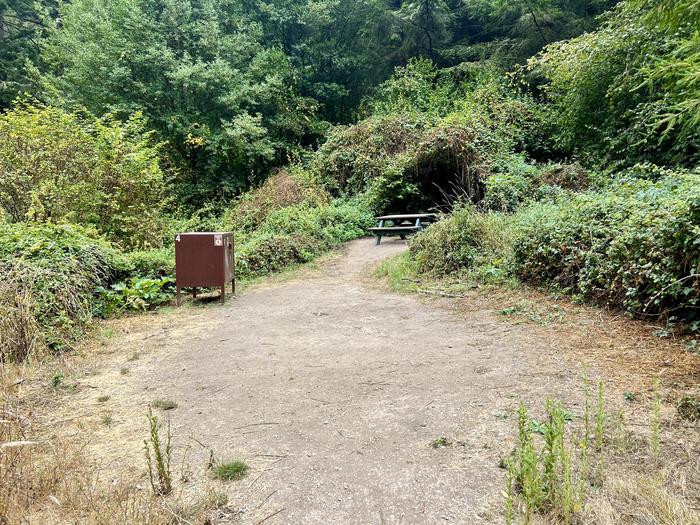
column 290, row 220
column 560, row 139
column 633, row 244
column 237, row 88
column 629, row 91
column 73, row 167
column 433, row 138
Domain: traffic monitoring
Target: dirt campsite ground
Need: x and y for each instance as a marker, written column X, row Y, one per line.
column 333, row 389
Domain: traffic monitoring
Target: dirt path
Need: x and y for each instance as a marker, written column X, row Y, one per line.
column 333, row 390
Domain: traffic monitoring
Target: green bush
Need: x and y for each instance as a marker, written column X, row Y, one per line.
column 47, row 291
column 506, row 190
column 76, row 168
column 267, row 253
column 282, row 190
column 346, row 219
column 633, row 245
column 464, row 239
column 152, row 264
column 296, row 233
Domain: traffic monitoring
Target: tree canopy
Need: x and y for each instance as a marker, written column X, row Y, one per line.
column 236, row 89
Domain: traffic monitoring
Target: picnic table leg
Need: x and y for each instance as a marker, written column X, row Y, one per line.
column 379, row 237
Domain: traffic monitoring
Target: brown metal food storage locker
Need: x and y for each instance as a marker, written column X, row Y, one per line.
column 204, row 260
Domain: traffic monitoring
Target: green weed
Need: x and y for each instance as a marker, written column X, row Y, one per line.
column 231, row 471
column 158, row 456
column 439, row 442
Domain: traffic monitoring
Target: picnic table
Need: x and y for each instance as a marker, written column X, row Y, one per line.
column 401, row 225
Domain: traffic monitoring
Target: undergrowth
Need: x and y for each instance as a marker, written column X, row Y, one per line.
column 563, row 468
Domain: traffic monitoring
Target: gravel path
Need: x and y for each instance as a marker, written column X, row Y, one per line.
column 333, row 390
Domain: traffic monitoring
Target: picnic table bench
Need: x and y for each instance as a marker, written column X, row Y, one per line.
column 401, row 225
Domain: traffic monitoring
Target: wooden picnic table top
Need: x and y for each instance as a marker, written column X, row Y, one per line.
column 407, row 216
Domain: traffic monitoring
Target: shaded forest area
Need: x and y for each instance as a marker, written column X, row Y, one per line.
column 559, row 137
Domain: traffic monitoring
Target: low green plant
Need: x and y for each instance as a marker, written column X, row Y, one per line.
column 47, row 291
column 439, row 442
column 154, row 263
column 627, row 245
column 231, row 471
column 136, row 294
column 158, row 456
column 464, row 239
column 164, row 404
column 511, row 186
column 56, row 380
column 548, row 474
column 103, row 399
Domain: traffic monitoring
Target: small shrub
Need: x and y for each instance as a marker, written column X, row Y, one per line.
column 266, row 253
column 346, row 219
column 164, row 404
column 508, row 189
column 439, row 442
column 231, row 471
column 461, row 240
column 147, row 264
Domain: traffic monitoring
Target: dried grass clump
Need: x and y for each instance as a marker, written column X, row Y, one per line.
column 630, row 499
column 20, row 334
column 46, row 477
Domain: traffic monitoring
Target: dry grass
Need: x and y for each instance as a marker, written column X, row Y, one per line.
column 625, row 349
column 47, row 474
column 632, row 499
column 20, row 334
